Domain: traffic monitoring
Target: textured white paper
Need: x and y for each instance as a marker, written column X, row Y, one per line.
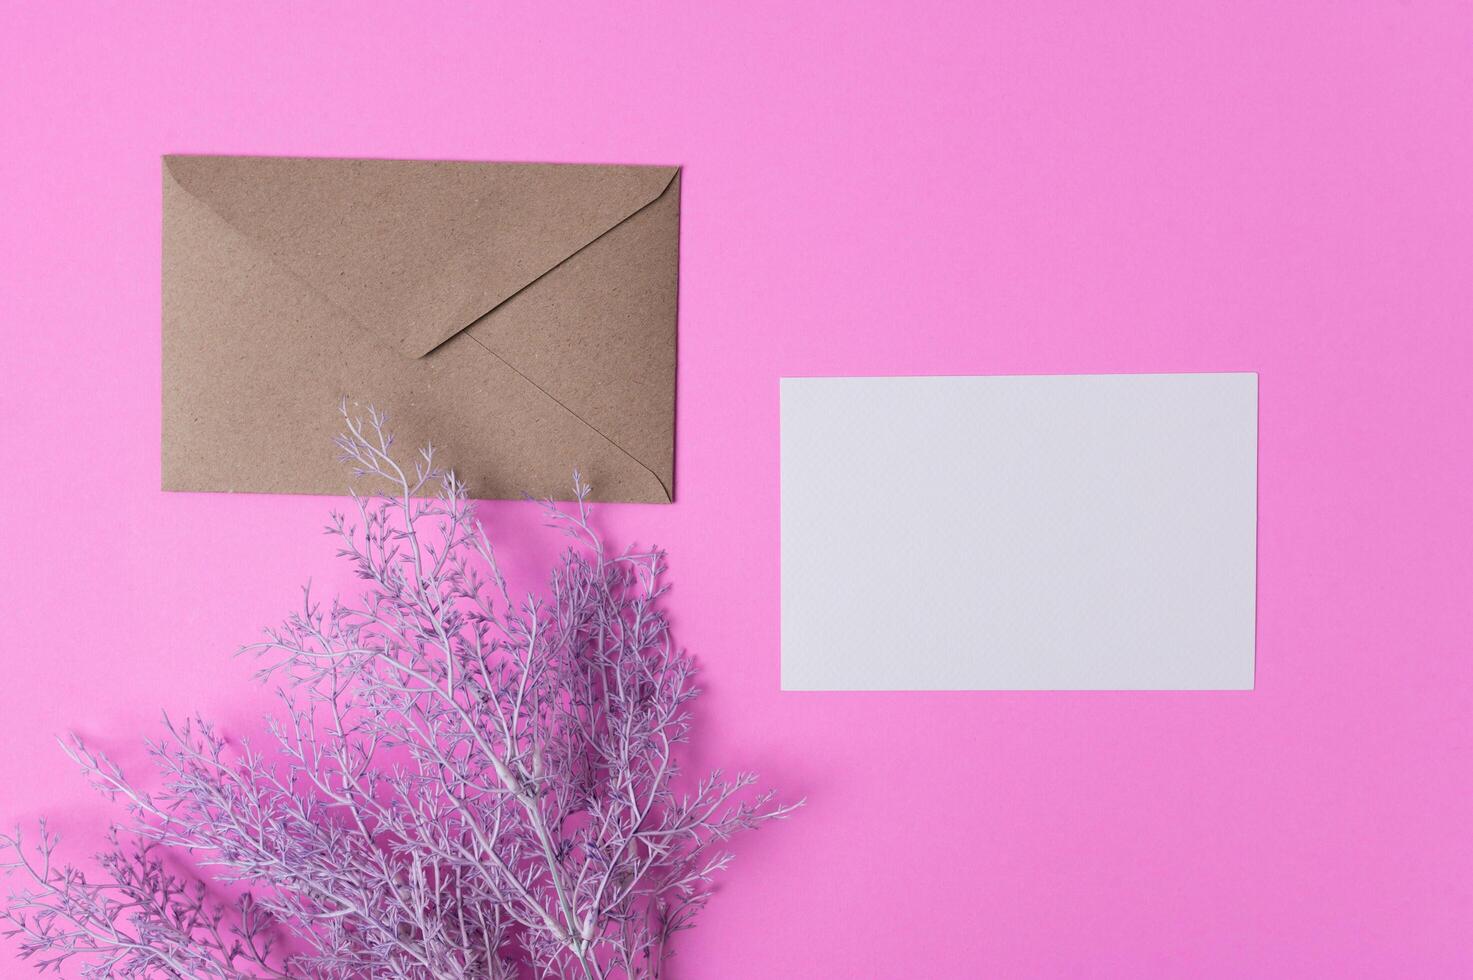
column 1085, row 532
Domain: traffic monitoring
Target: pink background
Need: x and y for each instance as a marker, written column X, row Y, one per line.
column 1267, row 186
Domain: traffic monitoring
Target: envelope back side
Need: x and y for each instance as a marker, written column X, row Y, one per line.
column 521, row 316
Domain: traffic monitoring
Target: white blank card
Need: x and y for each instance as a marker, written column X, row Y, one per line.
column 1083, row 532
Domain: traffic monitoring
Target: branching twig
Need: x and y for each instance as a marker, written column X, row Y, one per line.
column 457, row 786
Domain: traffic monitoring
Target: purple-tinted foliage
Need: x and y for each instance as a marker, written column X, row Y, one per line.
column 457, row 786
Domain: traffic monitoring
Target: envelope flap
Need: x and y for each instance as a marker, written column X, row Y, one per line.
column 415, row 251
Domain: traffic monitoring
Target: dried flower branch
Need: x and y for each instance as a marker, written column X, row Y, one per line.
column 457, row 787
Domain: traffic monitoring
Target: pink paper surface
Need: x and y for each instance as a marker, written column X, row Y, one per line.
column 911, row 189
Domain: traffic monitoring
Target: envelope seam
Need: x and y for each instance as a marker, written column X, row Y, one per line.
column 555, row 267
column 595, row 429
column 265, row 253
column 415, row 350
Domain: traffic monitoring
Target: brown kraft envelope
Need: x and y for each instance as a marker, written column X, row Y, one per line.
column 520, row 316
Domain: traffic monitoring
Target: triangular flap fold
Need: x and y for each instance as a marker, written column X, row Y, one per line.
column 599, row 335
column 414, row 251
